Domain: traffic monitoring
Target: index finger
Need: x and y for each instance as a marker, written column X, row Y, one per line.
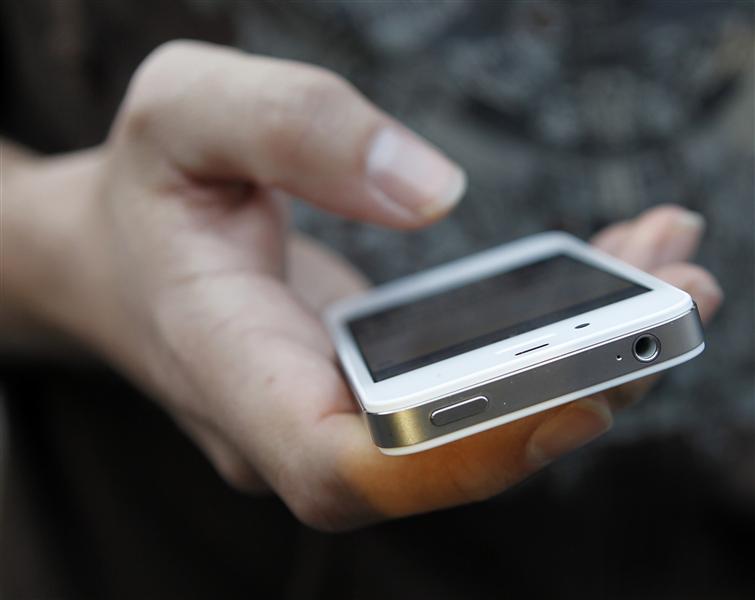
column 219, row 113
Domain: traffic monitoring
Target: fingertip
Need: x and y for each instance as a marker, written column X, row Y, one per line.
column 411, row 178
column 665, row 234
column 675, row 219
column 451, row 194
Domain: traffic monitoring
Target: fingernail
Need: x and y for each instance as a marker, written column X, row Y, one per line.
column 576, row 425
column 412, row 174
column 682, row 242
column 692, row 220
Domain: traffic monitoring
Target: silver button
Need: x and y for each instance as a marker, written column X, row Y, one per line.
column 458, row 411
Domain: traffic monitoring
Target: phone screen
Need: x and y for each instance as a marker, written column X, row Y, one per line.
column 432, row 328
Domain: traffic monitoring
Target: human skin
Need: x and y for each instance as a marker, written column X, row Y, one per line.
column 166, row 251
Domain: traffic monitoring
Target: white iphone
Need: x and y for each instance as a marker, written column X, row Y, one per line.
column 503, row 334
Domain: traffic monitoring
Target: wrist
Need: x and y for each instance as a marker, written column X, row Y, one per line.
column 47, row 207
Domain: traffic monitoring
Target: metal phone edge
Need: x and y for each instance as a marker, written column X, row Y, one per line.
column 523, row 392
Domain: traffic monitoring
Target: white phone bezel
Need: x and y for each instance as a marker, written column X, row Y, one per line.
column 415, row 387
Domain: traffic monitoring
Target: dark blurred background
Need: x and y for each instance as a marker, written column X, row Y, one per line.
column 565, row 115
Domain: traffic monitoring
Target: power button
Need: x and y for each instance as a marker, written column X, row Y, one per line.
column 458, row 411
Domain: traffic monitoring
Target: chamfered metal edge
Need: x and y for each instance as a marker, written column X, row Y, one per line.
column 538, row 383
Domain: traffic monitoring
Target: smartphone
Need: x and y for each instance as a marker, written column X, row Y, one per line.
column 500, row 335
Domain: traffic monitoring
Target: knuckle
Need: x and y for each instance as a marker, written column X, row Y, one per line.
column 167, row 53
column 153, row 85
column 177, row 46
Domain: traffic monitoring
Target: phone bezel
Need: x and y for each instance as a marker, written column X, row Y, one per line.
column 417, row 386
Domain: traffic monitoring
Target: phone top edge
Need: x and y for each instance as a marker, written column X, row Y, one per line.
column 505, row 366
column 545, row 361
column 416, row 386
column 689, row 330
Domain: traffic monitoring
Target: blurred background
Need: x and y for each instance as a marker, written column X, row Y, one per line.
column 567, row 115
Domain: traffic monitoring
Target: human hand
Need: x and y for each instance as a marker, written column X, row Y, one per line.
column 169, row 256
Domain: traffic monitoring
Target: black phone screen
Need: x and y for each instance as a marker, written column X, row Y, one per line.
column 435, row 327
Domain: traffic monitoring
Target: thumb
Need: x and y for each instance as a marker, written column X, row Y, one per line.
column 219, row 113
